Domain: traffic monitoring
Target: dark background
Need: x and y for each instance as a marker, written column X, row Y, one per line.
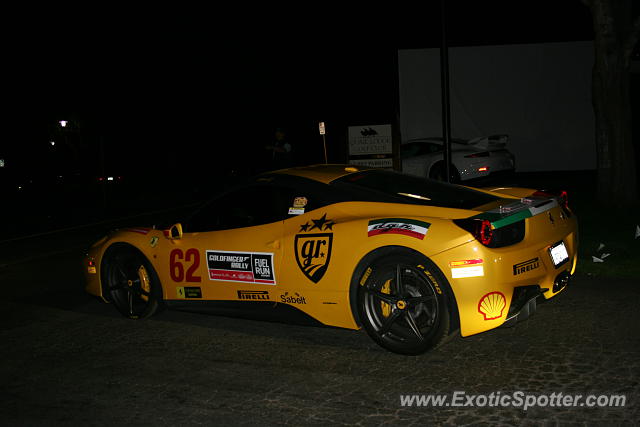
column 196, row 91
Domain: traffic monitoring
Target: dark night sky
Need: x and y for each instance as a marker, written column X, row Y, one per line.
column 212, row 84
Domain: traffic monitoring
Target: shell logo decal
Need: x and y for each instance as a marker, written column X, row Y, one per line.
column 492, row 305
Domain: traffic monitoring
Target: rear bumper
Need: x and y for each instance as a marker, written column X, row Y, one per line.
column 526, row 298
column 493, row 296
column 523, row 304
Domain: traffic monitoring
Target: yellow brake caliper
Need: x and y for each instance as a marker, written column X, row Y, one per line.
column 386, row 289
column 144, row 282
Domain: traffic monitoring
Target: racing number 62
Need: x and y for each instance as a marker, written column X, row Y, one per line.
column 176, row 269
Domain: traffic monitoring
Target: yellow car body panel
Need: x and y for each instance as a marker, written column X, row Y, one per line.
column 308, row 261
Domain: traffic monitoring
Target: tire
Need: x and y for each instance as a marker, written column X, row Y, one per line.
column 131, row 283
column 437, row 172
column 403, row 303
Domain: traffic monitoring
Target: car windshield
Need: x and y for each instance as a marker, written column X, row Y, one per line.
column 395, row 187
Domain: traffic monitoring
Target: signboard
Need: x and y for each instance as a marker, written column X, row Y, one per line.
column 371, row 146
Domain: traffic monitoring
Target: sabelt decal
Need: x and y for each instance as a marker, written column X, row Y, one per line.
column 466, row 268
column 253, row 295
column 406, row 227
column 294, row 298
column 492, row 305
column 313, row 251
column 188, row 292
column 523, row 267
column 245, row 267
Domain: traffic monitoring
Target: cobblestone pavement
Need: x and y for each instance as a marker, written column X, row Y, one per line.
column 68, row 359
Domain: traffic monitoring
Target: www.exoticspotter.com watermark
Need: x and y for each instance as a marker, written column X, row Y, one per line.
column 517, row 399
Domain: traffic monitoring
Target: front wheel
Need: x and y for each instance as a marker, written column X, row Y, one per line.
column 402, row 304
column 131, row 283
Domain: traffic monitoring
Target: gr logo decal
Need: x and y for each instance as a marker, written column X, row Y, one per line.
column 313, row 251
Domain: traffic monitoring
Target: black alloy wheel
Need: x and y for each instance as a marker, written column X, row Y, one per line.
column 131, row 283
column 403, row 305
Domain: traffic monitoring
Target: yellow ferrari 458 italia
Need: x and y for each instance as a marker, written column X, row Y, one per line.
column 408, row 259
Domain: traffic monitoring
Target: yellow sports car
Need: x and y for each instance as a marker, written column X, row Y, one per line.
column 411, row 260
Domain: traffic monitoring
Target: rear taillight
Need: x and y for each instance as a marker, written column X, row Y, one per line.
column 483, row 232
column 563, row 199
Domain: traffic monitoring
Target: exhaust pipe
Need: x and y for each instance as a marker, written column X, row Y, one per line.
column 561, row 281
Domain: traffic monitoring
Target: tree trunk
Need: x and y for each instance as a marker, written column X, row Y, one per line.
column 616, row 156
column 614, row 40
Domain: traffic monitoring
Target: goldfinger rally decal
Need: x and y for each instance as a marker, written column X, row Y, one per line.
column 492, row 305
column 313, row 251
column 406, row 227
column 246, row 267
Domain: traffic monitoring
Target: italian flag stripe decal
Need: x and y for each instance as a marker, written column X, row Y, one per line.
column 521, row 211
column 406, row 227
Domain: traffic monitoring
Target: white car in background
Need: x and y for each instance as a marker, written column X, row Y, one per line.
column 471, row 158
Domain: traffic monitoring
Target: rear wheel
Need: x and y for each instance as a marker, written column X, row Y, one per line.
column 131, row 283
column 402, row 304
column 437, row 172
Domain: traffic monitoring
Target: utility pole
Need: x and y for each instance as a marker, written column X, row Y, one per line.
column 446, row 104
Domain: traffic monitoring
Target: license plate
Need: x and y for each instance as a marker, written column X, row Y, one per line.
column 558, row 253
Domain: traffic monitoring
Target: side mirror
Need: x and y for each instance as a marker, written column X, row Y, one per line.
column 175, row 232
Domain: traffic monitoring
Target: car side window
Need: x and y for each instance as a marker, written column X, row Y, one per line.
column 244, row 207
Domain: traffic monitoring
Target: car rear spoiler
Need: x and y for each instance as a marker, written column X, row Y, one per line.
column 518, row 210
column 490, row 141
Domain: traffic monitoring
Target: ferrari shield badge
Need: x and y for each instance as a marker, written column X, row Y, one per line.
column 313, row 249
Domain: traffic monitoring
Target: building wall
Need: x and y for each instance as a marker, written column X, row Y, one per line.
column 538, row 94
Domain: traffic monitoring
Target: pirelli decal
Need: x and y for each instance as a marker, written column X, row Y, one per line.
column 525, row 266
column 406, row 227
column 245, row 267
column 253, row 295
